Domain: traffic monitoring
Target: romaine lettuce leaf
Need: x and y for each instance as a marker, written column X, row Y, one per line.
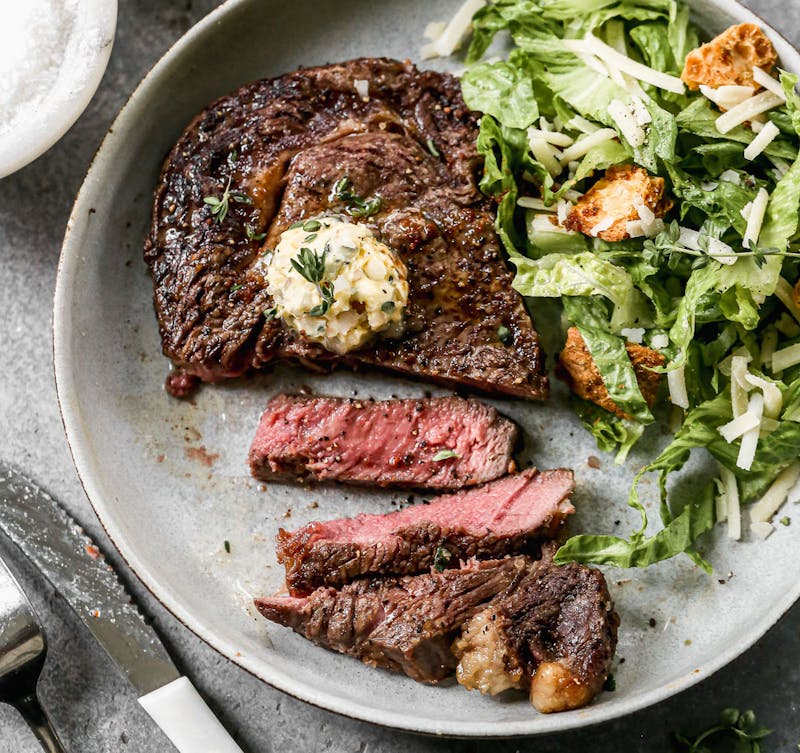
column 501, row 90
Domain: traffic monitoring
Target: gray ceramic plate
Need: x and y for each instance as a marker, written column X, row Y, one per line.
column 168, row 478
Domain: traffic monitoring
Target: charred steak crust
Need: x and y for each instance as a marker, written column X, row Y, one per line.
column 284, row 142
column 506, row 516
column 405, row 624
column 383, row 443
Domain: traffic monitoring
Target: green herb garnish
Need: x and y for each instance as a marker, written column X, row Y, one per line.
column 252, row 235
column 440, row 559
column 227, row 545
column 237, row 286
column 387, row 307
column 504, row 335
column 356, row 205
column 220, row 205
column 270, row 314
column 785, row 520
column 311, row 266
column 742, row 728
column 444, row 455
column 311, row 226
column 432, row 149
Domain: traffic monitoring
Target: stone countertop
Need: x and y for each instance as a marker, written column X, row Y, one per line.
column 91, row 705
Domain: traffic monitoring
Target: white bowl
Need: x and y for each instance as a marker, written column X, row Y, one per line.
column 35, row 128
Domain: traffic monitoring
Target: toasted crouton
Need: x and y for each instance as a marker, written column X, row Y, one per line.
column 729, row 58
column 579, row 371
column 611, row 202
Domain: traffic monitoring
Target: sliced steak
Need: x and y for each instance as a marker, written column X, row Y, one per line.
column 435, row 443
column 554, row 636
column 404, row 624
column 283, row 143
column 505, row 516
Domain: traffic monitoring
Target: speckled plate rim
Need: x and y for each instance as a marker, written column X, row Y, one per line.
column 87, row 464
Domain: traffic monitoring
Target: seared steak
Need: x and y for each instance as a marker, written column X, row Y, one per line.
column 436, row 443
column 554, row 636
column 405, row 624
column 502, row 517
column 279, row 146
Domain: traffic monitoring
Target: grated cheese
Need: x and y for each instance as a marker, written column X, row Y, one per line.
column 689, row 238
column 762, row 530
column 785, row 358
column 755, row 218
column 604, row 224
column 626, row 123
column 747, row 449
column 768, row 344
column 773, row 399
column 747, row 110
column 720, row 502
column 578, row 123
column 763, row 510
column 582, row 146
column 448, row 41
column 635, row 229
column 756, row 126
column 531, row 202
column 781, row 166
column 786, row 326
column 659, row 341
column 676, row 381
column 785, row 294
column 633, row 334
column 541, row 223
column 572, row 195
column 738, row 426
column 593, row 46
column 734, row 514
column 545, row 154
column 794, row 493
column 727, row 96
column 765, row 137
column 551, row 137
column 760, row 76
column 434, row 30
column 562, row 210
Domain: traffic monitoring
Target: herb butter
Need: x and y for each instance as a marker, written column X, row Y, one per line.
column 335, row 283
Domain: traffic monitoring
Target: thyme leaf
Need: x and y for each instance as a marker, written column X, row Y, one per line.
column 444, row 455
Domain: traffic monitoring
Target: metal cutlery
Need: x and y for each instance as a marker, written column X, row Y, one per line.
column 22, row 652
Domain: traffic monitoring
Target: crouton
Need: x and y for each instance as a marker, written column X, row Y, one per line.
column 729, row 58
column 577, row 368
column 611, row 202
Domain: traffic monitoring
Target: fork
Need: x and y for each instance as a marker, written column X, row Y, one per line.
column 22, row 651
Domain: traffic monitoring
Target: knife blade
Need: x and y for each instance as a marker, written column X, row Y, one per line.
column 77, row 569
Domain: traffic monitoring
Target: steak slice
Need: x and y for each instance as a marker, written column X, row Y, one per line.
column 388, row 443
column 279, row 146
column 554, row 636
column 504, row 516
column 404, row 624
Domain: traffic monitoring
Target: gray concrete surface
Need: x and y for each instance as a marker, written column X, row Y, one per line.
column 91, row 705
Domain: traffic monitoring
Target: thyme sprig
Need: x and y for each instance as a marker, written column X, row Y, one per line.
column 741, row 726
column 356, row 205
column 311, row 266
column 220, row 204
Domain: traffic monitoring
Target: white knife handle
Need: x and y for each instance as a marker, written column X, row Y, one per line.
column 186, row 720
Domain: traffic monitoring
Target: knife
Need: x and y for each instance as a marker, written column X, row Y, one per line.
column 57, row 545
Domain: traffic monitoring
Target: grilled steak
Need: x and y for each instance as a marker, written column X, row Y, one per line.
column 405, row 624
column 555, row 636
column 279, row 146
column 502, row 517
column 389, row 443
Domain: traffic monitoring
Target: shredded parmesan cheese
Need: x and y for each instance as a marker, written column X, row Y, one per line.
column 582, row 146
column 765, row 137
column 747, row 110
column 362, row 88
column 769, row 342
column 734, row 515
column 785, row 358
column 626, row 123
column 551, row 137
column 727, row 96
column 659, row 341
column 635, row 228
column 763, row 510
column 448, row 41
column 591, row 45
column 578, row 123
column 633, row 334
column 760, row 76
column 755, row 218
column 545, row 154
column 731, row 176
column 676, row 381
column 747, row 449
column 762, row 530
column 604, row 224
column 738, row 426
column 434, row 30
column 773, row 399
